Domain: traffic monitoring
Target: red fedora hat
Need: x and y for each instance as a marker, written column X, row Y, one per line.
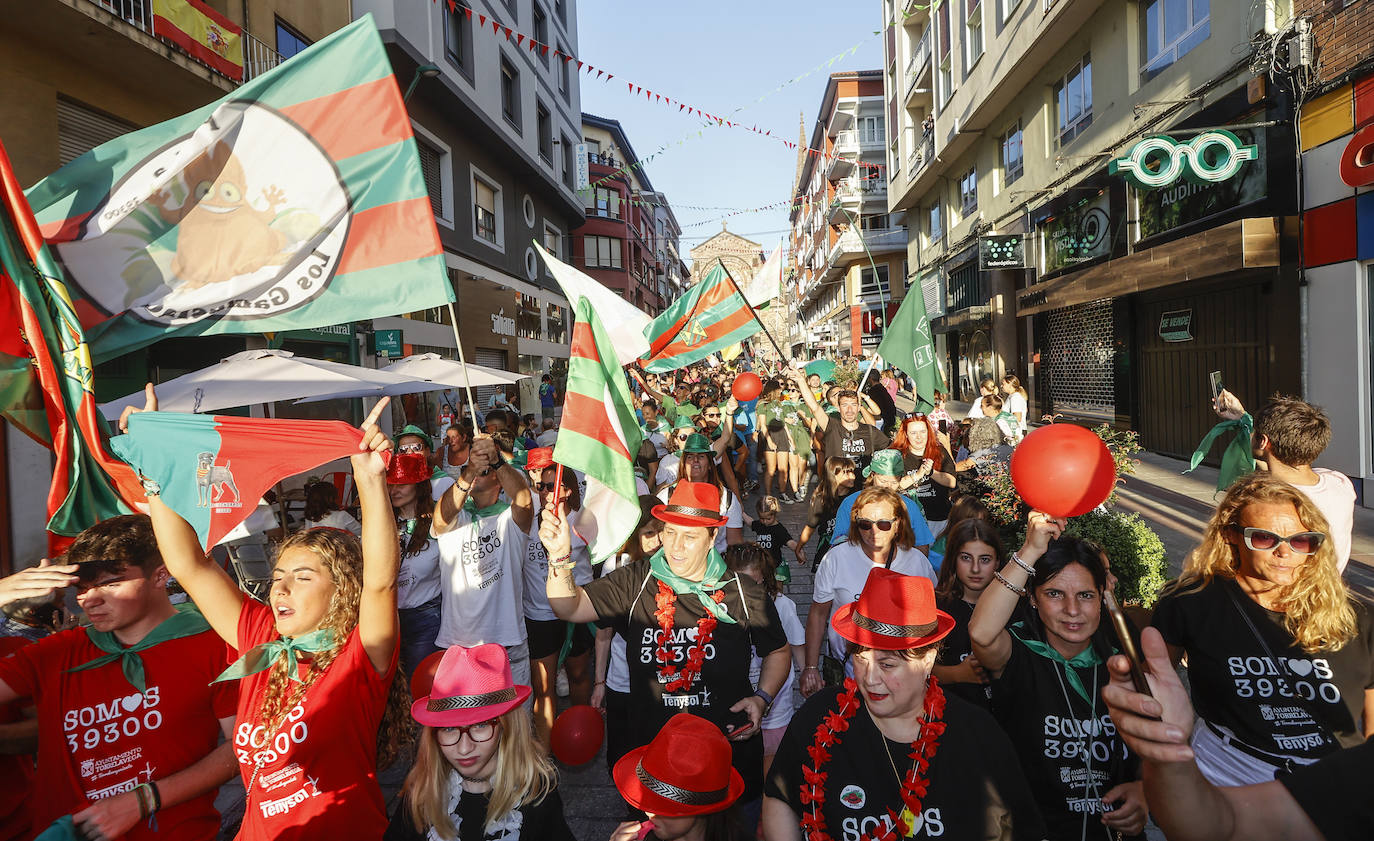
column 407, row 469
column 471, row 685
column 686, row 770
column 893, row 613
column 692, row 504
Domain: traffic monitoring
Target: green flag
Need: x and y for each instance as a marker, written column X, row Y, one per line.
column 907, row 344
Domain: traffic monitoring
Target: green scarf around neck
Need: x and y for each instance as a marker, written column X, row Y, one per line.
column 709, row 583
column 261, row 657
column 492, row 510
column 1085, row 659
column 186, row 622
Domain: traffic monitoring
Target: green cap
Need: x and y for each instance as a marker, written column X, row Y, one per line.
column 687, row 410
column 886, row 463
column 697, row 443
column 684, row 424
column 412, row 429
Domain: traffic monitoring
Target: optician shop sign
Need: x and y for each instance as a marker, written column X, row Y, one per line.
column 1007, row 251
column 1211, row 156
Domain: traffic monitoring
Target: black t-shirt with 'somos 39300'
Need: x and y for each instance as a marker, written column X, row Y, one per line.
column 1068, row 747
column 1306, row 705
column 858, row 444
column 976, row 787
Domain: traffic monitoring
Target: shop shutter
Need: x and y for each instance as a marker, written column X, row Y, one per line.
column 491, row 359
column 81, row 128
column 430, row 161
column 1080, row 360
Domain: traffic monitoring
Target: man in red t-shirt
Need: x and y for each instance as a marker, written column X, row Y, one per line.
column 128, row 723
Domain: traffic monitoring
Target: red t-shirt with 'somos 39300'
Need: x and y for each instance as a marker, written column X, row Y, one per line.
column 314, row 775
column 98, row 736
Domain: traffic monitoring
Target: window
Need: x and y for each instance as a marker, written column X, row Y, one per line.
column 564, row 75
column 1073, row 97
column 544, row 123
column 870, row 289
column 1007, row 7
column 553, row 240
column 431, row 166
column 556, row 323
column 593, row 146
column 289, row 41
column 1171, row 28
column 529, row 321
column 973, row 34
column 541, row 34
column 486, row 210
column 946, row 66
column 873, row 222
column 560, row 8
column 510, row 93
column 968, row 192
column 603, row 252
column 458, row 39
column 569, row 164
column 607, row 202
column 1010, row 155
column 936, row 226
column 871, row 130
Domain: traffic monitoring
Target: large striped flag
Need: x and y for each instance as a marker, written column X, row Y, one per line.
column 296, row 201
column 600, row 437
column 709, row 317
column 624, row 321
column 212, row 469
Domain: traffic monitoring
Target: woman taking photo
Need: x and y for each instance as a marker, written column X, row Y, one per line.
column 888, row 756
column 880, row 537
column 307, row 737
column 975, row 551
column 837, row 480
column 929, row 469
column 479, row 772
column 1047, row 677
column 417, row 585
column 1280, row 656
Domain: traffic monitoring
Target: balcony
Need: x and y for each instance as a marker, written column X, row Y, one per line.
column 852, row 193
column 850, row 246
column 258, row 58
column 921, row 156
column 919, row 90
column 841, row 159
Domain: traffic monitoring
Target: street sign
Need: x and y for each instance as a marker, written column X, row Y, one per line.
column 582, row 173
column 387, row 343
column 1176, row 326
column 1005, row 251
column 1159, row 161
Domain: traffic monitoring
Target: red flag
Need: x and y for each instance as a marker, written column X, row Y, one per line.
column 468, row 12
column 519, row 39
column 481, row 20
column 543, row 49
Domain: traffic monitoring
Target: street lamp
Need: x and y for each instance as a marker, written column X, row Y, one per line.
column 424, row 71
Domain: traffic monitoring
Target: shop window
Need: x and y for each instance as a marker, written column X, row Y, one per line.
column 1073, row 98
column 527, row 317
column 1171, row 28
column 556, row 321
column 1011, row 155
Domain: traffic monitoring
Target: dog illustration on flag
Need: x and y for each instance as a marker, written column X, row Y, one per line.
column 212, row 479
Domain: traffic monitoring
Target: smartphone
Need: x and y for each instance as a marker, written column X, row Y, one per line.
column 944, row 426
column 1217, row 387
column 1123, row 635
column 737, row 721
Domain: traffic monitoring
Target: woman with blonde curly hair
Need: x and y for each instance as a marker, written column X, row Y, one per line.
column 1280, row 656
column 318, row 706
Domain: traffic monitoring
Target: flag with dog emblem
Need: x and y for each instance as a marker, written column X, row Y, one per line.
column 213, row 468
column 709, row 317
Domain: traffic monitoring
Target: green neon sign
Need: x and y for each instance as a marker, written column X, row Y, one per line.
column 1212, row 156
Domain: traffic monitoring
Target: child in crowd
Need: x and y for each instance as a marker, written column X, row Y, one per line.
column 772, row 535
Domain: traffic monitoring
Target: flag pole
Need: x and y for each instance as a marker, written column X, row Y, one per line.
column 752, row 311
column 467, row 386
column 876, row 359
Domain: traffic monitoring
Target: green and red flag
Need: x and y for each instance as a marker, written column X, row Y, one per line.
column 45, row 376
column 709, row 317
column 600, row 437
column 296, row 201
column 212, row 469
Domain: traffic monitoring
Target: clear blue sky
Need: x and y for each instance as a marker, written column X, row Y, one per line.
column 718, row 56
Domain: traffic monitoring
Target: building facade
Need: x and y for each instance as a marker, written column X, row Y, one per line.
column 848, row 251
column 1055, row 239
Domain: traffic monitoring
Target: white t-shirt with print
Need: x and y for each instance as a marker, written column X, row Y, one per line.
column 480, row 564
column 536, row 569
column 841, row 577
column 1015, row 403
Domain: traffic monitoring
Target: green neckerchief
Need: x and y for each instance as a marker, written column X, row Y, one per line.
column 710, row 582
column 1087, row 658
column 519, row 456
column 186, row 622
column 489, row 511
column 261, row 657
column 1237, row 459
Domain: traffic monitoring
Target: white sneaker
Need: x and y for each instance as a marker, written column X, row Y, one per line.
column 561, row 684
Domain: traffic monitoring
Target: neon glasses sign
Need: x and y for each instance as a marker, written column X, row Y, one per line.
column 1159, row 161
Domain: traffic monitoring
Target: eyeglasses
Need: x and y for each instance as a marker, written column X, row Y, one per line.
column 411, row 448
column 1262, row 540
column 867, row 525
column 482, row 732
column 546, row 487
column 711, row 414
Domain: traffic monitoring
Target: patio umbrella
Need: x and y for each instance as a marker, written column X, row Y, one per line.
column 267, row 376
column 449, row 372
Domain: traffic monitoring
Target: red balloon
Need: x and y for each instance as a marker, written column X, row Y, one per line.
column 423, row 679
column 577, row 734
column 746, row 387
column 1063, row 470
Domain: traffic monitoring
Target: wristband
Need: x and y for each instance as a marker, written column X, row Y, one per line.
column 462, row 487
column 811, row 669
column 157, row 796
column 1020, row 591
column 1016, row 559
column 565, row 562
column 767, row 698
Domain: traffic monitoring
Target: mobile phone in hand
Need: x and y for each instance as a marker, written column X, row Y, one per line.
column 738, row 721
column 1123, row 635
column 1217, row 386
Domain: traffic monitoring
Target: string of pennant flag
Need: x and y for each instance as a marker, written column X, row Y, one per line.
column 794, row 203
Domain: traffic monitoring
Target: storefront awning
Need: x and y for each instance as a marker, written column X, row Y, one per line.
column 1235, row 246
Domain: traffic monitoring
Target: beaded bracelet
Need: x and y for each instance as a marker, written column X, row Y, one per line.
column 565, row 562
column 1016, row 559
column 1020, row 591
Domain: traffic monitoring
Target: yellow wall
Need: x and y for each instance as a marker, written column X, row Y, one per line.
column 1327, row 118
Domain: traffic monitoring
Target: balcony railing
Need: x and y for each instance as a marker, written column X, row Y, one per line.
column 258, row 58
column 920, row 58
column 861, row 188
column 921, row 155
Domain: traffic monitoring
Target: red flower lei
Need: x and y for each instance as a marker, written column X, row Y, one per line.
column 914, row 784
column 683, row 678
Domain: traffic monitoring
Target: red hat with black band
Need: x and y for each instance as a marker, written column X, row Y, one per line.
column 471, row 685
column 693, row 504
column 894, row 612
column 685, row 771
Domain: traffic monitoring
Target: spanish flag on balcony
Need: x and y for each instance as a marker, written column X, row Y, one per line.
column 202, row 32
column 295, row 202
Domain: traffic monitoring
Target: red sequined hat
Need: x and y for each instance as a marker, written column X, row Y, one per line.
column 407, row 469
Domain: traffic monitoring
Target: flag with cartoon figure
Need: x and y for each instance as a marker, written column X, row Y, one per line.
column 295, row 201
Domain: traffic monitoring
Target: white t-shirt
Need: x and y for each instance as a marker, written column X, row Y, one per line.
column 1334, row 496
column 536, row 568
column 841, row 577
column 784, row 704
column 418, row 580
column 547, row 438
column 729, row 508
column 660, row 443
column 480, row 564
column 976, row 410
column 337, row 519
column 1015, row 403
column 617, row 670
column 667, row 470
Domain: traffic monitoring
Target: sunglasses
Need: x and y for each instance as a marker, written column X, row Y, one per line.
column 450, row 736
column 1262, row 540
column 867, row 525
column 711, row 415
column 411, row 448
column 546, row 487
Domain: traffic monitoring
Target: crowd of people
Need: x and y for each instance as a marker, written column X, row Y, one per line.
column 939, row 684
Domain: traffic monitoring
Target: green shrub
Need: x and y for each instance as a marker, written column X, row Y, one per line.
column 1136, row 552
